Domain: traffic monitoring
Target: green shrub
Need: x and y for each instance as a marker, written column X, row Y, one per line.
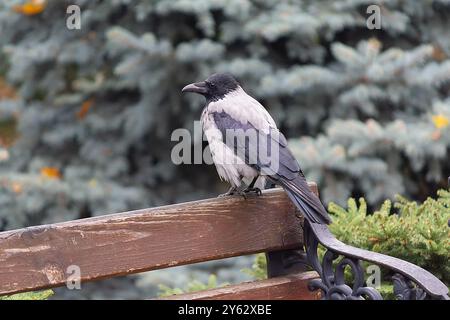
column 192, row 286
column 39, row 295
column 258, row 271
column 419, row 233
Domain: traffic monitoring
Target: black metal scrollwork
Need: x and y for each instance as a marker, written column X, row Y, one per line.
column 332, row 279
column 331, row 269
column 405, row 289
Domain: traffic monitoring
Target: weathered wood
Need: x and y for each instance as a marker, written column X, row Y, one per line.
column 291, row 287
column 288, row 261
column 148, row 239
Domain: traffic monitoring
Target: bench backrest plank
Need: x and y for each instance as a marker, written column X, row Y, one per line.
column 130, row 242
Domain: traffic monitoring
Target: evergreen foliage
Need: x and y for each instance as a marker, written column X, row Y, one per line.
column 95, row 107
column 38, row 295
column 418, row 233
column 258, row 271
column 192, row 286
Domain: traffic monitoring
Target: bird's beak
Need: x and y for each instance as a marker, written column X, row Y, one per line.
column 198, row 87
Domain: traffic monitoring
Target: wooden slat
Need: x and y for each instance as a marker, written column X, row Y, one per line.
column 148, row 239
column 291, row 287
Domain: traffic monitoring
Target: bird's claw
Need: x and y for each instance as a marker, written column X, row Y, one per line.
column 256, row 191
column 223, row 195
column 230, row 192
column 244, row 193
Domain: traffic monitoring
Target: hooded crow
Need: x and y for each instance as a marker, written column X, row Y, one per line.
column 245, row 143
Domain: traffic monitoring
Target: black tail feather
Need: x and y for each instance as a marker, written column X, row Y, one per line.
column 304, row 199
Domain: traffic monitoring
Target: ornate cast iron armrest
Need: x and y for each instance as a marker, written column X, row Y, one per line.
column 410, row 281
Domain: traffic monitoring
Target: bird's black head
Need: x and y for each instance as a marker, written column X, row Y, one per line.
column 215, row 87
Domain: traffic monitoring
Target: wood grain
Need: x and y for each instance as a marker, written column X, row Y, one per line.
column 291, row 287
column 130, row 242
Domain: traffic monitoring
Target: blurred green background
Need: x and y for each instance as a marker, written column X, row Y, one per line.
column 86, row 115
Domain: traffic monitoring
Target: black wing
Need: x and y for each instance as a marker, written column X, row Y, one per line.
column 269, row 154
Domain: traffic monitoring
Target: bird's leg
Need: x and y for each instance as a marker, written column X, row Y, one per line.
column 251, row 187
column 233, row 190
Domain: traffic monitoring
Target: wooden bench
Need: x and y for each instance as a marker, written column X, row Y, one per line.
column 130, row 242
